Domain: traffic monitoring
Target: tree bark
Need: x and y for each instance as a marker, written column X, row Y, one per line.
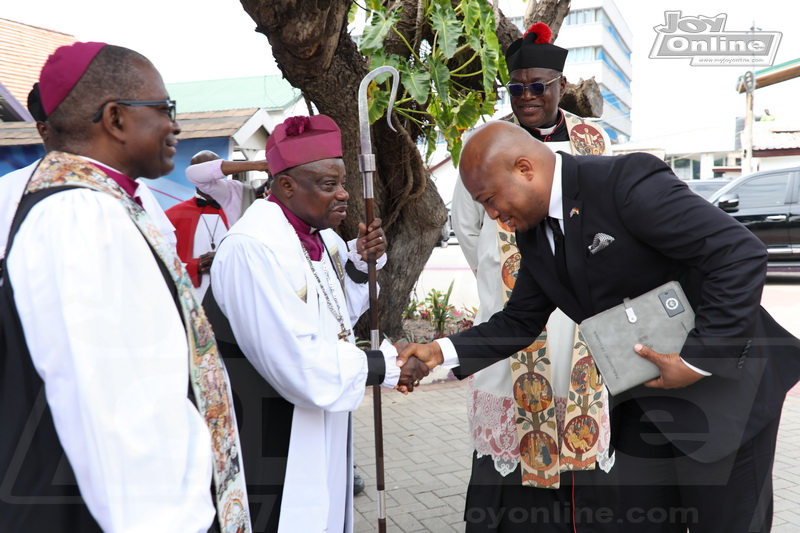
column 583, row 99
column 551, row 12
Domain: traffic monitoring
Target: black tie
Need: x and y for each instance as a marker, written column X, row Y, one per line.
column 559, row 254
column 202, row 202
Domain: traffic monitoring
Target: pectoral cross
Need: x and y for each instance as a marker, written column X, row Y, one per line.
column 344, row 334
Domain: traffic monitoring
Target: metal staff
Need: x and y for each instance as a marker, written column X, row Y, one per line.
column 366, row 163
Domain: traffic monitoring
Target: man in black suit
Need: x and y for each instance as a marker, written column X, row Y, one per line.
column 695, row 446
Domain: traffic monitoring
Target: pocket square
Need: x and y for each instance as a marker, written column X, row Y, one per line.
column 601, row 242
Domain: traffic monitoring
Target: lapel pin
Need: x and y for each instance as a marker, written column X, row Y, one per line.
column 575, row 211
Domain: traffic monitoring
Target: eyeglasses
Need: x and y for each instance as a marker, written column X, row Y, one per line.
column 168, row 107
column 536, row 88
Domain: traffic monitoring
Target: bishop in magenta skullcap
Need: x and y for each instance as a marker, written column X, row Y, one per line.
column 300, row 140
column 62, row 71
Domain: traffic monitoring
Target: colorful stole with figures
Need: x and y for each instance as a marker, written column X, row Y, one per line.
column 555, row 434
column 207, row 373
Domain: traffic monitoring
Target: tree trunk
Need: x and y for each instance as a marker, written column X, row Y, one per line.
column 312, row 48
column 315, row 54
column 583, row 98
column 551, row 12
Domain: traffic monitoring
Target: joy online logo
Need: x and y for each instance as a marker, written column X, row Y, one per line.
column 705, row 41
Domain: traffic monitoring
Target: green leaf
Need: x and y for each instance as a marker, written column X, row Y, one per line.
column 571, row 407
column 505, row 248
column 520, row 420
column 515, row 366
column 551, row 424
column 597, row 396
column 546, row 361
column 522, row 412
column 380, row 59
column 375, row 33
column 378, row 102
column 440, row 75
column 503, row 237
column 351, row 13
column 454, row 144
column 418, row 84
column 468, row 111
column 471, row 11
column 448, row 29
column 431, row 135
column 490, row 57
column 527, row 425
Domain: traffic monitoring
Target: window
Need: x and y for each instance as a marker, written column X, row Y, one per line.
column 765, row 191
column 582, row 54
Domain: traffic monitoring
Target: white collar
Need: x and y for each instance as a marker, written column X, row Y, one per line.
column 556, row 209
column 547, row 131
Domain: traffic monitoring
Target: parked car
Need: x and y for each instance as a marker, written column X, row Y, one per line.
column 768, row 204
column 706, row 188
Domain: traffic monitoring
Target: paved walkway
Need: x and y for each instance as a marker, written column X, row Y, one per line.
column 428, row 461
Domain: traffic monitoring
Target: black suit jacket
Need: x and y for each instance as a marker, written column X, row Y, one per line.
column 662, row 232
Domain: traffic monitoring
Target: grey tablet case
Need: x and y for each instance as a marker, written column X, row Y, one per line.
column 661, row 319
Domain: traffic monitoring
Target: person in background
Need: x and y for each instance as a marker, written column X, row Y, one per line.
column 209, row 173
column 501, row 478
column 200, row 225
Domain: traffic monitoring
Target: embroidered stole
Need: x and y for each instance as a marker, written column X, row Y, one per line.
column 207, row 374
column 555, row 434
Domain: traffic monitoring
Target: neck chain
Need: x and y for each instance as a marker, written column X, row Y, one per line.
column 211, row 234
column 344, row 333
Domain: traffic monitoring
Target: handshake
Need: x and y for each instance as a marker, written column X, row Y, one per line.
column 416, row 361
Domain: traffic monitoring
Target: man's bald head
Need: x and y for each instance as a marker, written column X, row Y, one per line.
column 204, row 156
column 509, row 172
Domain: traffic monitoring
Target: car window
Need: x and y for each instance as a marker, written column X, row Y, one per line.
column 763, row 192
column 706, row 189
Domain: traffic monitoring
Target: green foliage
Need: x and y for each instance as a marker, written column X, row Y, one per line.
column 412, row 310
column 440, row 309
column 448, row 29
column 375, row 32
column 433, row 94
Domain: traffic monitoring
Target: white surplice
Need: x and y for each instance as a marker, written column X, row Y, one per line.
column 107, row 340
column 265, row 286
